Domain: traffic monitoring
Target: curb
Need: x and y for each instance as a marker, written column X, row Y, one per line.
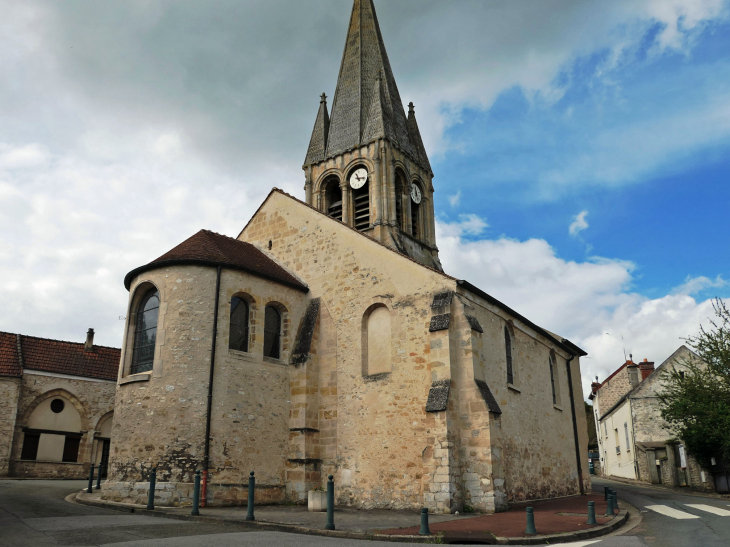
column 677, row 490
column 617, row 522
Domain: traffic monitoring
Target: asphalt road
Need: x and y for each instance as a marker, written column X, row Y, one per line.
column 34, row 513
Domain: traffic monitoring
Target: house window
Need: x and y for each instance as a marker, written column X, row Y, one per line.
column 605, row 429
column 145, row 334
column 238, row 338
column 71, row 449
column 272, row 332
column 626, row 430
column 30, row 446
column 618, row 442
column 508, row 351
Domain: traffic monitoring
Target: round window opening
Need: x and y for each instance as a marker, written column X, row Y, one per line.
column 57, row 406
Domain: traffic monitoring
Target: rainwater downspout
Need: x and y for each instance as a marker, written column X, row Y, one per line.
column 575, row 425
column 206, row 458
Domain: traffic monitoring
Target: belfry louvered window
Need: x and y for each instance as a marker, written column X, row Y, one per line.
column 238, row 338
column 333, row 198
column 414, row 219
column 272, row 332
column 361, row 201
column 145, row 334
column 508, row 351
column 399, row 200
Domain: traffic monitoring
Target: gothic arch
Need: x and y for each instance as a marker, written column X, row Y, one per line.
column 332, row 172
column 376, row 345
column 137, row 293
column 81, row 407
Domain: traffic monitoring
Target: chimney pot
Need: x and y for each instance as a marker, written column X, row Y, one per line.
column 89, row 345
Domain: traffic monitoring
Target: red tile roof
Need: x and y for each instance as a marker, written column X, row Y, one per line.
column 213, row 249
column 9, row 362
column 57, row 356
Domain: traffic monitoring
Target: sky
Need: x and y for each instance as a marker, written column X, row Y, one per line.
column 580, row 149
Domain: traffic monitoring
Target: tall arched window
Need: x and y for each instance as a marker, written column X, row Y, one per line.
column 415, row 210
column 399, row 188
column 553, row 373
column 508, row 352
column 272, row 332
column 145, row 333
column 333, row 199
column 361, row 204
column 238, row 338
column 376, row 341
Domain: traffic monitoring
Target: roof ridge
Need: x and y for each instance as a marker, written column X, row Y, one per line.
column 54, row 340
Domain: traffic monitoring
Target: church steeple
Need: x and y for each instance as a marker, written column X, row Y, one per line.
column 368, row 129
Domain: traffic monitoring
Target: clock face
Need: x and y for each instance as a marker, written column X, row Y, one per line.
column 416, row 194
column 358, row 178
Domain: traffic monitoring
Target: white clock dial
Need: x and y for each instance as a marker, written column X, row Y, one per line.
column 358, row 178
column 416, row 194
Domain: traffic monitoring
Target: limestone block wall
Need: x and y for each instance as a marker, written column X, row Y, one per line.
column 9, row 392
column 93, row 399
column 537, row 448
column 612, row 390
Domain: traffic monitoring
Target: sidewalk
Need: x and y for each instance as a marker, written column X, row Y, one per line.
column 676, row 489
column 558, row 520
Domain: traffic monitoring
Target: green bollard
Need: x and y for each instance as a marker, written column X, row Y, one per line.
column 98, row 479
column 606, row 489
column 592, row 513
column 151, row 498
column 609, row 506
column 424, row 531
column 91, row 479
column 330, row 504
column 196, row 494
column 530, row 522
column 251, row 493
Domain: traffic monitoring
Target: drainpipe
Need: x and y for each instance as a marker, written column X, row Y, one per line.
column 575, row 426
column 206, row 458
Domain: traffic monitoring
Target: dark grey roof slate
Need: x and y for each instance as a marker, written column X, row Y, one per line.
column 318, row 142
column 474, row 323
column 440, row 322
column 415, row 135
column 306, row 332
column 438, row 396
column 488, row 397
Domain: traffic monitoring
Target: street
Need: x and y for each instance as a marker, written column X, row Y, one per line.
column 35, row 513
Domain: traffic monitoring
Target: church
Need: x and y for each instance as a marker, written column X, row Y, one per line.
column 327, row 339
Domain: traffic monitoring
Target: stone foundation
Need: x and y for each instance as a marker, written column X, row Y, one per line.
column 50, row 470
column 176, row 494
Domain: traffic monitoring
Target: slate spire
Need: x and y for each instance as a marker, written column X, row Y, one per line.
column 358, row 91
column 415, row 135
column 318, row 142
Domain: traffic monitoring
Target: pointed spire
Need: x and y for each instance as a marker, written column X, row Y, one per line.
column 364, row 59
column 415, row 135
column 318, row 142
column 380, row 119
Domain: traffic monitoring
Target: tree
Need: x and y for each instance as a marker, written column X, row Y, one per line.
column 696, row 400
column 591, row 421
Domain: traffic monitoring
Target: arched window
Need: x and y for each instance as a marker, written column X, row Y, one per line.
column 272, row 332
column 145, row 333
column 399, row 201
column 333, row 198
column 508, row 352
column 554, row 379
column 415, row 210
column 376, row 341
column 238, row 337
column 53, row 432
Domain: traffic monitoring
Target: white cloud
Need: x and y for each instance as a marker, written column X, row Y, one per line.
column 581, row 301
column 693, row 285
column 468, row 225
column 579, row 223
column 455, row 200
column 20, row 157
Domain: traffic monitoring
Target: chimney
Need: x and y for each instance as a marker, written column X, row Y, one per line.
column 646, row 368
column 595, row 386
column 633, row 370
column 89, row 345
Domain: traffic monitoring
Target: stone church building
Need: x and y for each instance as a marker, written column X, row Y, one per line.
column 327, row 339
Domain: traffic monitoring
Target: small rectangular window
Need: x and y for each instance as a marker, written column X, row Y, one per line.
column 30, row 446
column 71, row 449
column 605, row 429
column 626, row 430
column 618, row 442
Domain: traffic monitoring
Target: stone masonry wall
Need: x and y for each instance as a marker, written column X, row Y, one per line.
column 93, row 400
column 9, row 391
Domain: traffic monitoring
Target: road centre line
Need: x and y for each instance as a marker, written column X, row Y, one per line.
column 671, row 512
column 709, row 509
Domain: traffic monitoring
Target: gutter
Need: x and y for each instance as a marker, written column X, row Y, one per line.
column 575, row 425
column 206, row 457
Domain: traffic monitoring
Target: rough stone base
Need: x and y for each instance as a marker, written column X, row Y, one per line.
column 50, row 470
column 175, row 494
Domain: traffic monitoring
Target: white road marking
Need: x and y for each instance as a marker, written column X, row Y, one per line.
column 579, row 544
column 671, row 512
column 709, row 509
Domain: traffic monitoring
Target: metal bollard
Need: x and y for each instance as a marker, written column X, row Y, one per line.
column 330, row 504
column 98, row 479
column 251, row 492
column 424, row 531
column 530, row 522
column 606, row 489
column 592, row 513
column 151, row 498
column 196, row 494
column 609, row 506
column 91, row 479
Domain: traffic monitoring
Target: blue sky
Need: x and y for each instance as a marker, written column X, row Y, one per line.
column 127, row 127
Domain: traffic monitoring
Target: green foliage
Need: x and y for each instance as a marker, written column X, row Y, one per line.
column 696, row 397
column 468, row 509
column 591, row 421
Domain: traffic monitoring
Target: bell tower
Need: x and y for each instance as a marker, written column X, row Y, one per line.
column 366, row 164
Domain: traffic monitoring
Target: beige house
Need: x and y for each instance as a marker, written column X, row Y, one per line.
column 56, row 406
column 326, row 339
column 633, row 441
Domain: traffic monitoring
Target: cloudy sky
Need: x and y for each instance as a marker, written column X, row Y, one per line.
column 580, row 149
